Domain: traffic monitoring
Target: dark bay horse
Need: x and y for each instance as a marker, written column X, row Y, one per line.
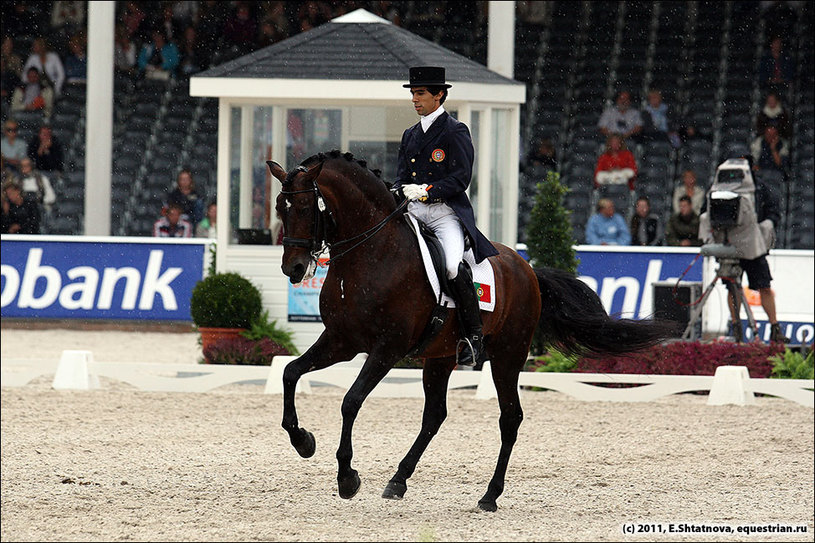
column 376, row 299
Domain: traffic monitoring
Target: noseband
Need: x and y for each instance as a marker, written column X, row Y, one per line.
column 319, row 243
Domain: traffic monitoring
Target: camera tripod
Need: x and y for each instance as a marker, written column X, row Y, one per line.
column 729, row 272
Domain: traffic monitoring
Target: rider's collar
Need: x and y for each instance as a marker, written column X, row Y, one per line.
column 428, row 119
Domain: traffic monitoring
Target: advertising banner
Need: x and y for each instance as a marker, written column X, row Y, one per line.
column 624, row 277
column 99, row 278
column 304, row 297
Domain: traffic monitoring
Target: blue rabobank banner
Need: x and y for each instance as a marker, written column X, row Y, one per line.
column 99, row 278
column 624, row 278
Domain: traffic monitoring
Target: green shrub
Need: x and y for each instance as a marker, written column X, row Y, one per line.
column 225, row 300
column 792, row 365
column 553, row 361
column 262, row 328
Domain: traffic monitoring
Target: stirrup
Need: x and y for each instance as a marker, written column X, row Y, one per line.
column 468, row 356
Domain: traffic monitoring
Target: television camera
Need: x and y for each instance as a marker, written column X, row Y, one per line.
column 730, row 221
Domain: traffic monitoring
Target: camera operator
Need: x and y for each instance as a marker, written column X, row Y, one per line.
column 767, row 215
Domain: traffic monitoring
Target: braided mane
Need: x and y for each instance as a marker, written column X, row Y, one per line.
column 335, row 153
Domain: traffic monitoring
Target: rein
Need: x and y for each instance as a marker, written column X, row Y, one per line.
column 319, row 242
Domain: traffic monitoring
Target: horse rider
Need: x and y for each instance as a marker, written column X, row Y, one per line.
column 434, row 169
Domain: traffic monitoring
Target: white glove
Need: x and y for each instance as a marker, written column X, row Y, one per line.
column 415, row 192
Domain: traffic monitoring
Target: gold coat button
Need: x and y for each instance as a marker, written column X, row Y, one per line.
column 413, row 160
column 413, row 174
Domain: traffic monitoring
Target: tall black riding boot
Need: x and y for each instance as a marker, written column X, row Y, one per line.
column 469, row 314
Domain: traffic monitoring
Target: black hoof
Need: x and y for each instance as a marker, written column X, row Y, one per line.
column 349, row 486
column 307, row 445
column 394, row 491
column 488, row 505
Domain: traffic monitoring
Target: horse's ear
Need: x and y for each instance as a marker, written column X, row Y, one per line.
column 277, row 170
column 314, row 172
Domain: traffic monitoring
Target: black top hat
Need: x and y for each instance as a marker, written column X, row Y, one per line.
column 427, row 76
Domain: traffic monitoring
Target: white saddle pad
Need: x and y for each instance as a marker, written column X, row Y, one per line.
column 483, row 274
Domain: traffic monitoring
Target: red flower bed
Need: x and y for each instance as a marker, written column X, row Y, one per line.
column 688, row 358
column 244, row 351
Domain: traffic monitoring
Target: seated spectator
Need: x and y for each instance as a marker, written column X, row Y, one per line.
column 616, row 166
column 48, row 64
column 770, row 152
column 773, row 113
column 134, row 22
column 691, row 189
column 683, row 227
column 543, row 155
column 33, row 95
column 76, row 63
column 19, row 216
column 620, row 118
column 657, row 123
column 607, row 227
column 11, row 66
column 124, row 56
column 193, row 57
column 68, row 17
column 47, row 151
column 172, row 225
column 158, row 59
column 776, row 70
column 207, row 227
column 646, row 227
column 36, row 186
column 185, row 195
column 13, row 149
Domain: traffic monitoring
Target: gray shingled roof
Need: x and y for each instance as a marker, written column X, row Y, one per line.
column 354, row 51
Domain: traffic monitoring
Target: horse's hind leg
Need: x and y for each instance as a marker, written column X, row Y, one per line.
column 435, row 378
column 322, row 354
column 505, row 377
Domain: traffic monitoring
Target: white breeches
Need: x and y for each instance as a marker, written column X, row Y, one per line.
column 444, row 222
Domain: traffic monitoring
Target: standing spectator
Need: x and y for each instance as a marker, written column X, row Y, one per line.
column 207, row 228
column 13, row 149
column 36, row 186
column 657, row 123
column 773, row 113
column 240, row 29
column 278, row 24
column 172, row 225
column 683, row 227
column 124, row 56
column 76, row 63
column 33, row 94
column 47, row 63
column 68, row 17
column 616, row 165
column 159, row 58
column 770, row 152
column 691, row 189
column 46, row 150
column 607, row 227
column 646, row 227
column 19, row 216
column 776, row 69
column 621, row 118
column 11, row 66
column 185, row 195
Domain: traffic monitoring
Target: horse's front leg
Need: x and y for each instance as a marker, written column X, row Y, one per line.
column 325, row 352
column 435, row 378
column 372, row 372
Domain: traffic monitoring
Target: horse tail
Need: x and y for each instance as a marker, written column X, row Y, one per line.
column 574, row 321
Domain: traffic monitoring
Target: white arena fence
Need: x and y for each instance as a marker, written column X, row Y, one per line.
column 77, row 370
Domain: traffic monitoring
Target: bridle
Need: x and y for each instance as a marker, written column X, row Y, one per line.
column 324, row 220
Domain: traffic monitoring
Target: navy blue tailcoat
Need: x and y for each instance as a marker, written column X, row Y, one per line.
column 443, row 158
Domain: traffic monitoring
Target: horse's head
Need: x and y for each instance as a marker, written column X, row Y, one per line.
column 301, row 209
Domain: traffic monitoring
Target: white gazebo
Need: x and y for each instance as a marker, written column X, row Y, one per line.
column 339, row 86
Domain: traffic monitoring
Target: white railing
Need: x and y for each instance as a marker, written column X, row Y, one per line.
column 78, row 370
